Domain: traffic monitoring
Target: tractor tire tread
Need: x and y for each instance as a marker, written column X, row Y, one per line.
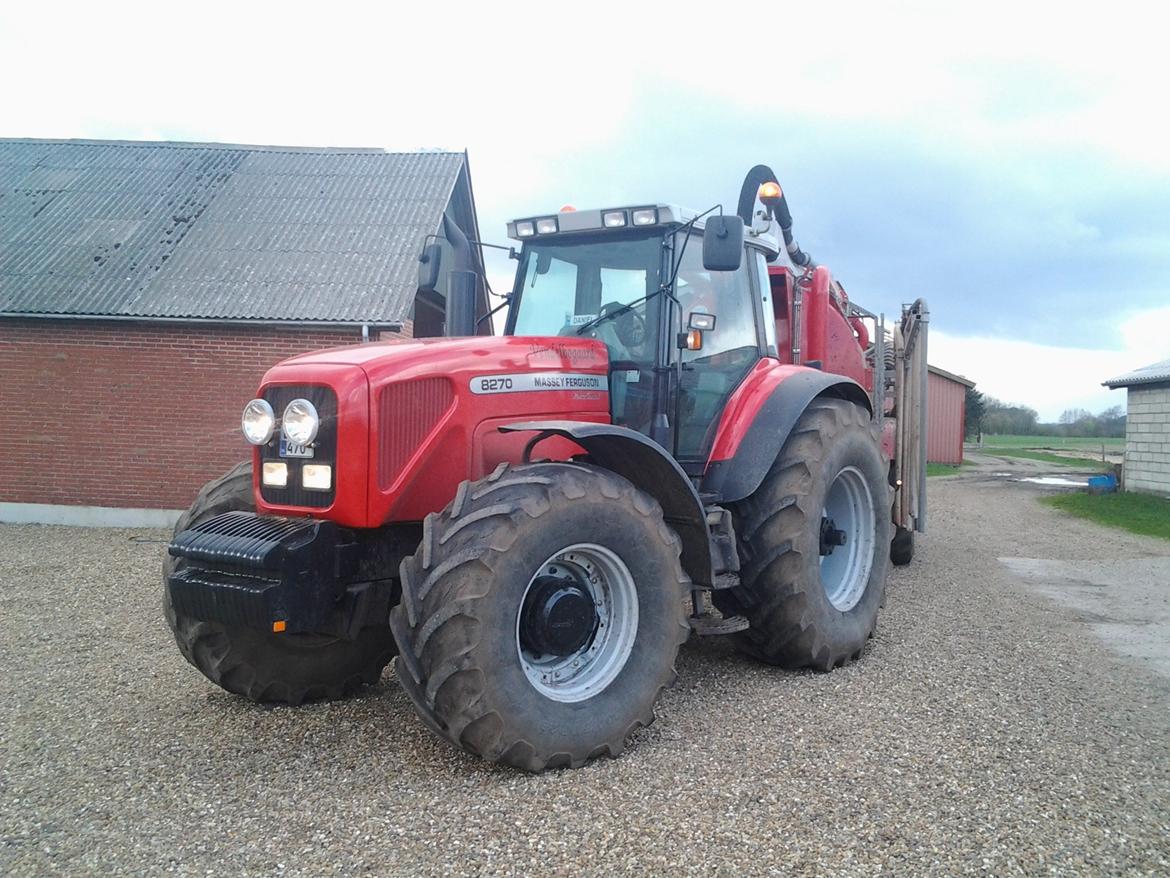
column 436, row 671
column 784, row 630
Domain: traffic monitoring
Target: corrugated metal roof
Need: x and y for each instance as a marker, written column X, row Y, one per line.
column 958, row 379
column 1152, row 374
column 214, row 231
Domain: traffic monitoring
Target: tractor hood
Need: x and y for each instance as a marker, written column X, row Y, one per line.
column 398, row 360
column 403, row 423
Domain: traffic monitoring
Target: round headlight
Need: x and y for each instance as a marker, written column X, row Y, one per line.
column 258, row 422
column 300, row 422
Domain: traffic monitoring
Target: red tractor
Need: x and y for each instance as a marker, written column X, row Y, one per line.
column 686, row 427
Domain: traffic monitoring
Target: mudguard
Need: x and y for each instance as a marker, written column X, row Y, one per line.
column 758, row 418
column 649, row 467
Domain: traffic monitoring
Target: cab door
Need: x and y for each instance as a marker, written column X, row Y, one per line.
column 707, row 376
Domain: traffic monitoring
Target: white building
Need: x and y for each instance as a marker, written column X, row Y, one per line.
column 1147, row 428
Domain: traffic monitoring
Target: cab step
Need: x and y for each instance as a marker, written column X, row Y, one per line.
column 711, row 624
column 725, row 580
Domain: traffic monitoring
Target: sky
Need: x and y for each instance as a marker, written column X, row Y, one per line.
column 1008, row 162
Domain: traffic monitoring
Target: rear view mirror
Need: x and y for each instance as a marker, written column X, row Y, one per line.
column 428, row 267
column 723, row 243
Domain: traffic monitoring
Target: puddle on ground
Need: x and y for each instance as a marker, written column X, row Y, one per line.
column 1055, row 480
column 1122, row 600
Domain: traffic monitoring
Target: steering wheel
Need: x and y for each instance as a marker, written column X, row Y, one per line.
column 630, row 327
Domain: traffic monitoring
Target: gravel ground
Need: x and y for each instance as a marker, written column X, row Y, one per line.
column 985, row 731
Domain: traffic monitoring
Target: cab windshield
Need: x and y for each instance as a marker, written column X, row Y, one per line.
column 564, row 288
column 611, row 288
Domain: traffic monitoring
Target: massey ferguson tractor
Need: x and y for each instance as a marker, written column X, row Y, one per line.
column 687, row 427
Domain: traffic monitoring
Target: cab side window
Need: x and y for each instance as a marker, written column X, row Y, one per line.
column 710, row 374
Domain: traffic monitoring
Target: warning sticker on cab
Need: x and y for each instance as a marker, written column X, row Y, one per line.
column 533, row 382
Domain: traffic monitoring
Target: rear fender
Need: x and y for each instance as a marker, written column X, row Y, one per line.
column 758, row 419
column 646, row 464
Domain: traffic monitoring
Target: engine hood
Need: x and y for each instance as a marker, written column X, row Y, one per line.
column 446, row 356
column 416, row 418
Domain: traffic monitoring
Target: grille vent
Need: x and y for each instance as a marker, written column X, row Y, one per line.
column 407, row 412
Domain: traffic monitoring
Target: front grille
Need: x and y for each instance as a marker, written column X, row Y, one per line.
column 407, row 412
column 324, row 446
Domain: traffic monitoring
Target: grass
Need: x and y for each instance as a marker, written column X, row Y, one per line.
column 941, row 469
column 1064, row 443
column 1046, row 457
column 1137, row 513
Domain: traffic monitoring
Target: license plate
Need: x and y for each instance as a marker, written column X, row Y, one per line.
column 291, row 449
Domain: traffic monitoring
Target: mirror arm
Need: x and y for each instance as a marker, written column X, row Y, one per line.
column 513, row 253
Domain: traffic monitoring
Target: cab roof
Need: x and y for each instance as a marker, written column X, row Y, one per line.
column 613, row 219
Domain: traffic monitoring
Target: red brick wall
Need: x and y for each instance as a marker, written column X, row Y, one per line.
column 112, row 413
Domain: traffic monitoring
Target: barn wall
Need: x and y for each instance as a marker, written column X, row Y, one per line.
column 1147, row 439
column 946, row 414
column 136, row 415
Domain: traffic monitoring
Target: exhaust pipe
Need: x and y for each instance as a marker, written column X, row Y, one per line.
column 462, row 283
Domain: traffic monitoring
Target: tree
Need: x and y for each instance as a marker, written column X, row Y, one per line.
column 1001, row 418
column 974, row 408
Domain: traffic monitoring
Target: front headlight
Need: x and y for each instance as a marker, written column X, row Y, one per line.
column 258, row 422
column 300, row 422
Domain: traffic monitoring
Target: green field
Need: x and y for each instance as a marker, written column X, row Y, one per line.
column 1088, row 463
column 1041, row 448
column 1060, row 443
column 1137, row 513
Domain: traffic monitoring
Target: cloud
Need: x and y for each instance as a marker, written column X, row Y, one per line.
column 1052, row 379
column 1006, row 161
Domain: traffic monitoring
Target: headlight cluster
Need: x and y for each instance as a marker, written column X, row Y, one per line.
column 258, row 422
column 546, row 225
column 299, row 424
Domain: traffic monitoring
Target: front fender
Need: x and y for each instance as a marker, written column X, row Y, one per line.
column 758, row 419
column 651, row 469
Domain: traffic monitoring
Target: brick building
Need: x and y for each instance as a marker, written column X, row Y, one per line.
column 146, row 287
column 1147, row 428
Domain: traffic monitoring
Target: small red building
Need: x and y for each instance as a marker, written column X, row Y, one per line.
column 946, row 398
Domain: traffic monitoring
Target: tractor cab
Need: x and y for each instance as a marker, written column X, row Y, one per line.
column 680, row 300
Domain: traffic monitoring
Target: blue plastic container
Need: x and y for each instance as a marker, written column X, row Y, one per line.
column 1105, row 484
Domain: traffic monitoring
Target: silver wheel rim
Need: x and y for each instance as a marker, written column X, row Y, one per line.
column 845, row 571
column 588, row 671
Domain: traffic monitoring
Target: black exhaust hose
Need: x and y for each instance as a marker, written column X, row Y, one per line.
column 749, row 192
column 462, row 284
column 460, row 246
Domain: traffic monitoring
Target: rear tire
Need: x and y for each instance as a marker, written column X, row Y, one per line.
column 805, row 609
column 902, row 546
column 279, row 668
column 465, row 660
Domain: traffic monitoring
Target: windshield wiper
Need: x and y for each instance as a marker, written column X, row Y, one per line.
column 617, row 312
column 688, row 226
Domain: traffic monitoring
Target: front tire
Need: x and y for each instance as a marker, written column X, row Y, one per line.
column 814, row 541
column 261, row 666
column 487, row 677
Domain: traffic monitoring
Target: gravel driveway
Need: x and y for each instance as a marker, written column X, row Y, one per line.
column 986, row 730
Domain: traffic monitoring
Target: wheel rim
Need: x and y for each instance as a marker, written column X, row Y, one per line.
column 845, row 566
column 588, row 670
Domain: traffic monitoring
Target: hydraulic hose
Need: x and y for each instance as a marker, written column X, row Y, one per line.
column 748, row 193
